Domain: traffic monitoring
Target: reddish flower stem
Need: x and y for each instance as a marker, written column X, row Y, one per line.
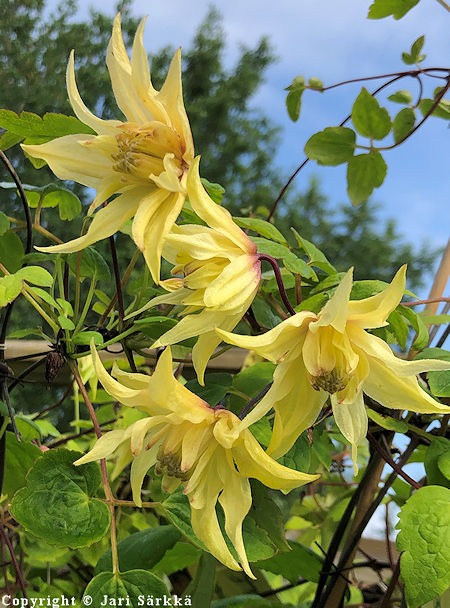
column 276, row 269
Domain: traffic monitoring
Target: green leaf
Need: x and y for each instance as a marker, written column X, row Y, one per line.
column 441, row 111
column 264, row 314
column 444, row 464
column 332, row 146
column 439, row 447
column 369, row 119
column 289, row 258
column 46, row 297
column 84, row 338
column 215, row 191
column 424, row 539
column 387, row 422
column 178, row 511
column 257, row 544
column 267, row 515
column 364, row 173
column 403, row 124
column 8, row 140
column 201, row 588
column 35, row 275
column 125, row 588
column 294, row 97
column 21, row 456
column 92, row 264
column 4, row 223
column 414, row 55
column 65, row 306
column 180, row 556
column 416, row 47
column 299, row 456
column 143, row 549
column 251, row 381
column 316, row 257
column 417, row 324
column 24, row 333
column 28, row 429
column 314, row 303
column 402, row 96
column 301, row 561
column 72, row 518
column 261, row 227
column 10, row 287
column 50, row 126
column 215, row 389
column 399, row 328
column 69, row 205
column 384, row 8
column 66, row 323
column 11, row 251
column 439, row 383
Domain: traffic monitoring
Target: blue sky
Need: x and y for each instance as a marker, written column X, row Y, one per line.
column 333, row 41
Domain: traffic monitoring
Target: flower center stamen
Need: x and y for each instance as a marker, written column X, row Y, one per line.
column 170, row 464
column 331, row 382
column 141, row 151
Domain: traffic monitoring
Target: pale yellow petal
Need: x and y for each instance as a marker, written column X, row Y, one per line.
column 296, row 410
column 372, row 312
column 166, row 391
column 335, row 310
column 119, row 68
column 106, row 222
column 139, row 469
column 236, row 500
column 208, row 342
column 169, row 179
column 275, row 343
column 208, row 244
column 104, row 446
column 135, row 381
column 171, row 97
column 351, row 419
column 140, row 429
column 376, row 347
column 386, row 387
column 214, row 215
column 70, row 159
column 100, row 126
column 236, row 285
column 157, row 229
column 140, row 74
column 193, row 444
column 205, row 524
column 252, row 461
column 123, row 394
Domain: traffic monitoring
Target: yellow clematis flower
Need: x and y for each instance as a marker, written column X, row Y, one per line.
column 144, row 160
column 220, row 272
column 329, row 353
column 195, row 445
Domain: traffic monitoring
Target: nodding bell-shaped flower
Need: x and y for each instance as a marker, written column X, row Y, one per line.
column 192, row 444
column 220, row 274
column 331, row 354
column 143, row 160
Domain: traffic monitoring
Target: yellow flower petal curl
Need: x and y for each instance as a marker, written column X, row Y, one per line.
column 204, row 449
column 145, row 160
column 330, row 353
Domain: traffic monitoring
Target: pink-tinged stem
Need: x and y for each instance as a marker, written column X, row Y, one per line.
column 281, row 288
